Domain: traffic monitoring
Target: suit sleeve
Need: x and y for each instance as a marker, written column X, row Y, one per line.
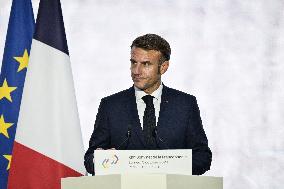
column 197, row 141
column 100, row 137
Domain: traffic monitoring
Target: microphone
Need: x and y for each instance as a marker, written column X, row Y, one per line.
column 156, row 136
column 126, row 141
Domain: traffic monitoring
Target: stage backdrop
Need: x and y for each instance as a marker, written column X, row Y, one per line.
column 228, row 53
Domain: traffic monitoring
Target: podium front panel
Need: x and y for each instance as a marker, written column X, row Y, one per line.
column 88, row 182
column 142, row 181
column 194, row 182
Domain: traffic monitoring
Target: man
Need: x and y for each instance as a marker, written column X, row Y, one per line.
column 150, row 115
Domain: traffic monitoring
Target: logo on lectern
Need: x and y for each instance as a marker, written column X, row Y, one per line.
column 108, row 162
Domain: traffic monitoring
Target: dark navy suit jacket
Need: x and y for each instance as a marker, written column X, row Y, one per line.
column 179, row 127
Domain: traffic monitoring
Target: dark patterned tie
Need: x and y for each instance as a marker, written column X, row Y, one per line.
column 149, row 122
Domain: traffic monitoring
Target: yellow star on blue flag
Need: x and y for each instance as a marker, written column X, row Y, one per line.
column 5, row 91
column 4, row 126
column 22, row 60
column 9, row 158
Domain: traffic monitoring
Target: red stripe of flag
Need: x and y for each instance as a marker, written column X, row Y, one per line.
column 43, row 172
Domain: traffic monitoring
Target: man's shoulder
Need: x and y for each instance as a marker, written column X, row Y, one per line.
column 177, row 93
column 119, row 96
column 180, row 99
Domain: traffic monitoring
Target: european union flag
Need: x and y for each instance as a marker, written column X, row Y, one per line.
column 12, row 78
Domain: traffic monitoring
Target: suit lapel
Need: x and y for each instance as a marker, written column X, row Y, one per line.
column 164, row 110
column 133, row 114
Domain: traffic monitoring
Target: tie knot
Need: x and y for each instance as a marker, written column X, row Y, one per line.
column 148, row 99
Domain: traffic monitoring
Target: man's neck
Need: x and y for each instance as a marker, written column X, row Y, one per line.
column 140, row 93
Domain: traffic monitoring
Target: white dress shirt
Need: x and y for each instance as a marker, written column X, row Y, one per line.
column 141, row 106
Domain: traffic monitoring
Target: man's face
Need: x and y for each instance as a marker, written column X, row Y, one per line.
column 145, row 69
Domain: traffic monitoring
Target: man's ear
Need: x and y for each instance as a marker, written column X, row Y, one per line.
column 164, row 67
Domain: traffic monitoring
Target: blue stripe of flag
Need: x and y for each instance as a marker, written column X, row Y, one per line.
column 50, row 26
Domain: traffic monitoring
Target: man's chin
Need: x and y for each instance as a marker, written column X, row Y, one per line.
column 139, row 86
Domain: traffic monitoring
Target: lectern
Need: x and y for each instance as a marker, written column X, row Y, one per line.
column 143, row 181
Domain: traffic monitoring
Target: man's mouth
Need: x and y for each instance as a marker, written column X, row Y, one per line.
column 137, row 78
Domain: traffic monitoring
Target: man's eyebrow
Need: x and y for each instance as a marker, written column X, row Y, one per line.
column 143, row 62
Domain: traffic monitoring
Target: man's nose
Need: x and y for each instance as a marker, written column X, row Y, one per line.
column 136, row 69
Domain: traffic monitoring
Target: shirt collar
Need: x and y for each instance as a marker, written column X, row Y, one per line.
column 156, row 94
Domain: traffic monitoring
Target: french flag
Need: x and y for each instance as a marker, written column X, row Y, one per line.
column 48, row 144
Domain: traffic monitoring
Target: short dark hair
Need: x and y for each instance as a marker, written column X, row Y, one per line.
column 153, row 42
